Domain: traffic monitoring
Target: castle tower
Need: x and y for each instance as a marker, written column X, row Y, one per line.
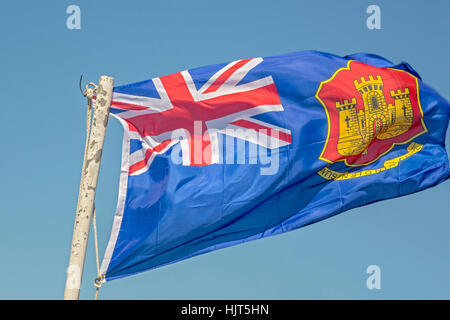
column 350, row 139
column 401, row 114
column 376, row 114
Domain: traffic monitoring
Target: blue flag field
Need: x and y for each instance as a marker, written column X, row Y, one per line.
column 220, row 155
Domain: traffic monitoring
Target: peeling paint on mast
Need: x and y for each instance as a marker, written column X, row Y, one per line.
column 88, row 187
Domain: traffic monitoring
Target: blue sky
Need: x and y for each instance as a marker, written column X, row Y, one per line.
column 42, row 130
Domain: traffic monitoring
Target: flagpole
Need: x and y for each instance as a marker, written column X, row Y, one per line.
column 88, row 187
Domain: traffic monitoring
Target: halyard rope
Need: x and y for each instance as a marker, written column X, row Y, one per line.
column 89, row 94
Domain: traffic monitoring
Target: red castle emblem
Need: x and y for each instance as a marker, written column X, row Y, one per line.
column 369, row 111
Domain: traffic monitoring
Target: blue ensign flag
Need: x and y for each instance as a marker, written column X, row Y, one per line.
column 223, row 154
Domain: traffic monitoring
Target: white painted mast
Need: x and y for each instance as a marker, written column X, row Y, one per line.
column 88, row 186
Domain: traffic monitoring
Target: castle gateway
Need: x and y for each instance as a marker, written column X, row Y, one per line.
column 368, row 112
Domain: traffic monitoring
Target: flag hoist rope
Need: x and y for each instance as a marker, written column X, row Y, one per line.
column 96, row 122
column 89, row 94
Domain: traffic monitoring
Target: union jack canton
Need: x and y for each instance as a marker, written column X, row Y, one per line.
column 222, row 104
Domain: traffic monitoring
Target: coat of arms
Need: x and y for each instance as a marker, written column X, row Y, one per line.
column 369, row 110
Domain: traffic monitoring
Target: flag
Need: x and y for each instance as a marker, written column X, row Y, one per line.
column 220, row 155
